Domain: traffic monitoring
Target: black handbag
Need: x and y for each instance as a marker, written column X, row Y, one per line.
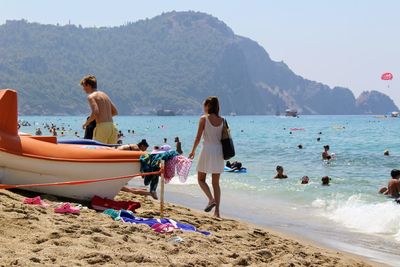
column 228, row 148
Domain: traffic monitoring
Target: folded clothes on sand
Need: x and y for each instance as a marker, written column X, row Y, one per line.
column 99, row 203
column 129, row 217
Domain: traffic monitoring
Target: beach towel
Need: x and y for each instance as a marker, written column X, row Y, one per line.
column 169, row 170
column 182, row 166
column 129, row 217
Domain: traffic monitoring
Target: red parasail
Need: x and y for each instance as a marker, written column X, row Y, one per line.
column 387, row 76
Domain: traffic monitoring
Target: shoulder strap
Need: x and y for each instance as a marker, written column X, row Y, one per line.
column 226, row 123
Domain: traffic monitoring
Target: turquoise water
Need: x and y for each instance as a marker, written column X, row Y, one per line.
column 349, row 205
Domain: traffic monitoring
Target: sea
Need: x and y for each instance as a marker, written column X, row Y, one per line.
column 348, row 215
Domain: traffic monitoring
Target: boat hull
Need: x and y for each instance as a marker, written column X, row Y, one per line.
column 24, row 170
column 26, row 159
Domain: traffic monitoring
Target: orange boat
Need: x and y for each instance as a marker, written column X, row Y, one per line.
column 28, row 159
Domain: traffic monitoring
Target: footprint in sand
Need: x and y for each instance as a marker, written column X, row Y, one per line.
column 54, row 235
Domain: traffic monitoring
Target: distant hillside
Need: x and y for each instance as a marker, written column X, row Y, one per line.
column 374, row 103
column 172, row 61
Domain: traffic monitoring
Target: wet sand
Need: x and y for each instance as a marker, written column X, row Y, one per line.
column 32, row 235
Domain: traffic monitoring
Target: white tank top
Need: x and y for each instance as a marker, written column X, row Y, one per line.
column 212, row 134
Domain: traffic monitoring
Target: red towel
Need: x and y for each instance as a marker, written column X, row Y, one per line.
column 99, row 203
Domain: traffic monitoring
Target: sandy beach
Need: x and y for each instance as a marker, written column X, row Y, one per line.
column 33, row 235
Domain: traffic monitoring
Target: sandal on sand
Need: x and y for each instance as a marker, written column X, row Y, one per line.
column 210, row 207
column 154, row 195
column 36, row 201
column 67, row 208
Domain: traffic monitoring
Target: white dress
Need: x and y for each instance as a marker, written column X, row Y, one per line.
column 211, row 159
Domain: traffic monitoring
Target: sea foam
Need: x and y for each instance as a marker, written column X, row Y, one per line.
column 363, row 216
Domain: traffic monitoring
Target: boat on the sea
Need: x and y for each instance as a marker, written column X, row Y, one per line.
column 165, row 112
column 395, row 114
column 291, row 112
column 27, row 159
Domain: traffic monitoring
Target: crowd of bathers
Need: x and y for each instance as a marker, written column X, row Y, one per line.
column 392, row 189
column 304, row 180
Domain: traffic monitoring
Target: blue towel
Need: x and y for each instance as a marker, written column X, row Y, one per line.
column 129, row 217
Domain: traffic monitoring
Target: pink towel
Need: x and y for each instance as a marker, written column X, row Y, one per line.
column 169, row 169
column 183, row 165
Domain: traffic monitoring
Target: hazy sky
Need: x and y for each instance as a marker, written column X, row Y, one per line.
column 346, row 43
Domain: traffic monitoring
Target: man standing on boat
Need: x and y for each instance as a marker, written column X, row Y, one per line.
column 103, row 110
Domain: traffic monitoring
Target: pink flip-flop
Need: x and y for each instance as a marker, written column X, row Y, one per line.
column 67, row 208
column 36, row 201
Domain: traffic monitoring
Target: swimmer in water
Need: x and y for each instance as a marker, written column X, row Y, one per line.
column 279, row 173
column 325, row 180
column 393, row 188
column 305, row 180
column 325, row 154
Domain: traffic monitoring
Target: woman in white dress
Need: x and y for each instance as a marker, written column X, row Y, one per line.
column 211, row 159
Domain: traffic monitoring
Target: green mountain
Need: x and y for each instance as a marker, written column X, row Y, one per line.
column 173, row 61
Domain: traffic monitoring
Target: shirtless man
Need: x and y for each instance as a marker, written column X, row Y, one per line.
column 103, row 110
column 393, row 188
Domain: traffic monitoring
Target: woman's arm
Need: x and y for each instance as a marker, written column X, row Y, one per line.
column 200, row 130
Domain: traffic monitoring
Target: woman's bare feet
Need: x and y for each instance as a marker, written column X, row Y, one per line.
column 216, row 214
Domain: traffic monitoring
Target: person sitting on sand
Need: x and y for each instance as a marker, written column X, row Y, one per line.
column 393, row 189
column 325, row 180
column 325, row 154
column 141, row 146
column 280, row 174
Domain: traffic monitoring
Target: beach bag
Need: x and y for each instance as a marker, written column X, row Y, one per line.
column 228, row 148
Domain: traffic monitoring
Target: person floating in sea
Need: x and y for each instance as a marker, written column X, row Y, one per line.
column 325, row 180
column 178, row 145
column 38, row 131
column 103, row 110
column 279, row 173
column 305, row 180
column 234, row 166
column 141, row 146
column 211, row 159
column 386, row 152
column 393, row 188
column 325, row 154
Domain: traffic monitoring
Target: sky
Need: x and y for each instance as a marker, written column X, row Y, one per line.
column 347, row 43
